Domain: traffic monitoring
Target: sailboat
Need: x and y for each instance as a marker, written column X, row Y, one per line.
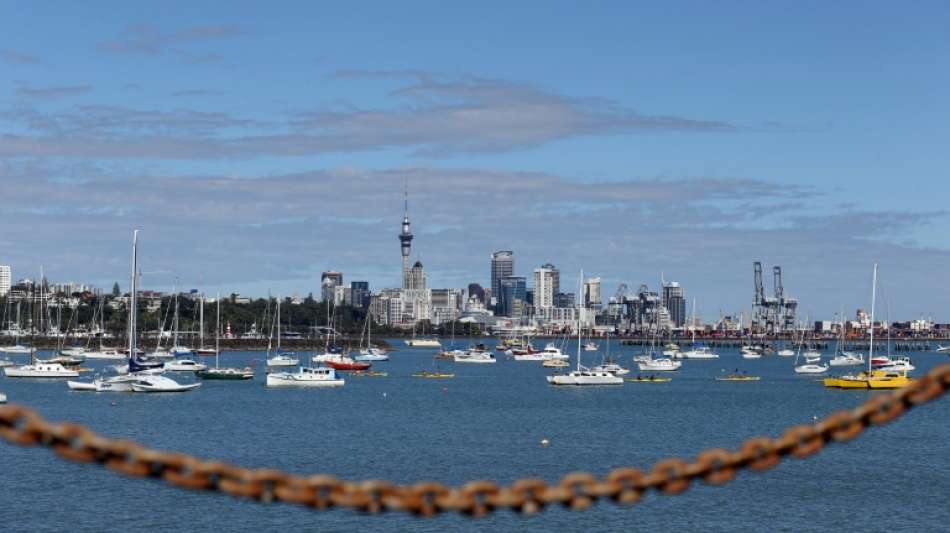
column 202, row 349
column 422, row 342
column 280, row 359
column 581, row 375
column 17, row 348
column 227, row 373
column 372, row 353
column 103, row 353
column 39, row 369
column 842, row 358
column 747, row 350
column 698, row 351
column 871, row 379
column 811, row 365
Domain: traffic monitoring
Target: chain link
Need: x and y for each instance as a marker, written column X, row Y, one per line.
column 577, row 490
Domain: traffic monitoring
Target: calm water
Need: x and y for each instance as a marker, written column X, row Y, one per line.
column 487, row 423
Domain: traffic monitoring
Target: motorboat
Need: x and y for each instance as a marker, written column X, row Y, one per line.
column 940, row 349
column 847, row 359
column 104, row 355
column 811, row 368
column 552, row 352
column 282, row 360
column 40, row 370
column 750, row 352
column 811, row 356
column 613, row 368
column 184, row 365
column 16, row 349
column 785, row 352
column 155, row 383
column 585, row 376
column 448, row 354
column 900, row 364
column 109, row 384
column 306, row 377
column 659, row 365
column 207, row 352
column 474, row 356
column 423, row 343
column 74, row 351
column 227, row 373
column 590, row 347
column 528, row 356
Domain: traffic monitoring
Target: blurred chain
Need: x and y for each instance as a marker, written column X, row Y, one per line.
column 579, row 490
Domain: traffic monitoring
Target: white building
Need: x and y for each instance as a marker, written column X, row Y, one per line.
column 592, row 293
column 546, row 281
column 4, row 280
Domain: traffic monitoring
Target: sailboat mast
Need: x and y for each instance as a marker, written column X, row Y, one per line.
column 201, row 323
column 217, row 332
column 278, row 323
column 873, row 302
column 133, row 302
column 580, row 290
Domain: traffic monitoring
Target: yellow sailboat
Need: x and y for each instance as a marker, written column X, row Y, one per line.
column 870, row 379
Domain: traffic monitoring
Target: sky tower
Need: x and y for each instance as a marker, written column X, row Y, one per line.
column 405, row 240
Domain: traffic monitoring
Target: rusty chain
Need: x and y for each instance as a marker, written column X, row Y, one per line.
column 578, row 490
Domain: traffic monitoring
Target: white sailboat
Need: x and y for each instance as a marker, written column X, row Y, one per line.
column 370, row 352
column 17, row 348
column 697, row 351
column 811, row 365
column 280, row 359
column 39, row 369
column 581, row 376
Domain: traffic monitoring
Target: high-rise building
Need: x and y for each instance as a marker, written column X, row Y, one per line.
column 502, row 266
column 546, row 285
column 592, row 293
column 674, row 300
column 476, row 291
column 564, row 300
column 416, row 278
column 5, row 277
column 405, row 242
column 359, row 293
column 329, row 281
column 512, row 295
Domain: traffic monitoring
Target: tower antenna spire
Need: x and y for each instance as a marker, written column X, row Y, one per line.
column 405, row 196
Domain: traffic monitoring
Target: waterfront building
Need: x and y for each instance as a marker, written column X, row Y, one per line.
column 359, row 294
column 564, row 300
column 674, row 300
column 329, row 281
column 502, row 266
column 592, row 293
column 5, row 276
column 512, row 295
column 546, row 286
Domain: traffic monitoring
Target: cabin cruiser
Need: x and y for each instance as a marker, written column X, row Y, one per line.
column 107, row 384
column 900, row 364
column 552, row 352
column 306, row 377
column 699, row 352
column 847, row 359
column 659, row 365
column 282, row 359
column 474, row 355
column 40, row 370
column 585, row 376
column 156, row 383
column 184, row 365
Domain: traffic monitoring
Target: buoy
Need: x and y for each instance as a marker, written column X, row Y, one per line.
column 544, row 443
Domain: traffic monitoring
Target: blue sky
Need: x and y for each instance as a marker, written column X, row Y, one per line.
column 257, row 145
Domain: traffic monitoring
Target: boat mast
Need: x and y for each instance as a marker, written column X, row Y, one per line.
column 201, row 323
column 873, row 302
column 580, row 290
column 217, row 332
column 133, row 297
column 278, row 323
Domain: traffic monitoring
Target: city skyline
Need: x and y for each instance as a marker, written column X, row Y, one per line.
column 656, row 158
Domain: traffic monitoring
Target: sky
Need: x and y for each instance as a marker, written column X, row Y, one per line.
column 257, row 145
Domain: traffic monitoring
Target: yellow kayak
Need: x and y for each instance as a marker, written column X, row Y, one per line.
column 648, row 380
column 734, row 377
column 432, row 375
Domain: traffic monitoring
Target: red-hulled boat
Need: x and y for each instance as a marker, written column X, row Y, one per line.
column 345, row 362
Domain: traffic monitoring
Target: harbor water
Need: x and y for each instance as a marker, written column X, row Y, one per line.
column 488, row 423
